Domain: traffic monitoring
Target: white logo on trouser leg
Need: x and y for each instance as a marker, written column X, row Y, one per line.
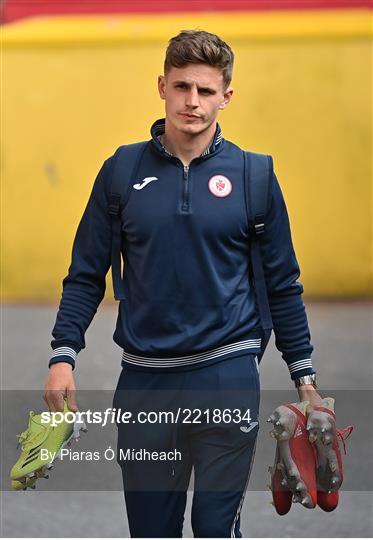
column 246, row 429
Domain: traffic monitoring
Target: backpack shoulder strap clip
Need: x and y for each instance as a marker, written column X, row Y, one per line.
column 259, row 221
column 114, row 204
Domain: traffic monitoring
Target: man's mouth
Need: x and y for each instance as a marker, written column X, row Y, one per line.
column 189, row 115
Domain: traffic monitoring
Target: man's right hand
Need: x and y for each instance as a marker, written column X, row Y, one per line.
column 60, row 384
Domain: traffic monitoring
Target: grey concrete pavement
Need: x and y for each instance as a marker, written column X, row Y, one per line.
column 342, row 336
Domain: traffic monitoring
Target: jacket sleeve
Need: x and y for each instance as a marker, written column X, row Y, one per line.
column 281, row 272
column 84, row 286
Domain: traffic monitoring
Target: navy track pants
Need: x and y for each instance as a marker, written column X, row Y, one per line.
column 209, row 424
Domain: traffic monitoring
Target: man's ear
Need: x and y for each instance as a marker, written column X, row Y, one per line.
column 162, row 86
column 226, row 97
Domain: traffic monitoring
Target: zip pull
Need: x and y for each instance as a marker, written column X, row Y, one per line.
column 185, row 203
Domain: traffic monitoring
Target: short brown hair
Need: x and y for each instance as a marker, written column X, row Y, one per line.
column 199, row 47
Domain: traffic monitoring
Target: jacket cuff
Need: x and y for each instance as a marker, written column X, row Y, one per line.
column 299, row 368
column 63, row 354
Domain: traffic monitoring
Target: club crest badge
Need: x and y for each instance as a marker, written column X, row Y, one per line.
column 220, row 185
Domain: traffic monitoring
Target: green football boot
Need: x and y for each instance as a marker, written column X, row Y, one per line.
column 41, row 444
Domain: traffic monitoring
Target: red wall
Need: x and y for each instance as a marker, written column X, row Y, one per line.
column 16, row 9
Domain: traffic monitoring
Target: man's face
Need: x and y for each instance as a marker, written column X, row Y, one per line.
column 194, row 94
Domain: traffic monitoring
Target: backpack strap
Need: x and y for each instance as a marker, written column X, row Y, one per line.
column 126, row 161
column 258, row 170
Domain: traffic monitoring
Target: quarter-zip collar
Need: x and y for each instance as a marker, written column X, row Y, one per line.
column 158, row 129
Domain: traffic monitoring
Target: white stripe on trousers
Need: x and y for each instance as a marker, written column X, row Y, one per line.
column 244, row 493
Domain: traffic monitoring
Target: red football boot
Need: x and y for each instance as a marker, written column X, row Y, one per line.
column 323, row 433
column 282, row 496
column 293, row 477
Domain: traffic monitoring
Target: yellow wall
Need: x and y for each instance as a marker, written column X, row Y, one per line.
column 75, row 88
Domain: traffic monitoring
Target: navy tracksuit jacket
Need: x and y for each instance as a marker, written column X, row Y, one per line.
column 188, row 323
column 189, row 297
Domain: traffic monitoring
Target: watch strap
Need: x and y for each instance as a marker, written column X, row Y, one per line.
column 306, row 379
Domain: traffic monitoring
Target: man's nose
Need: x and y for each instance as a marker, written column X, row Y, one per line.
column 192, row 99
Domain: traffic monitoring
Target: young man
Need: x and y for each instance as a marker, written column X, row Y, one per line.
column 188, row 318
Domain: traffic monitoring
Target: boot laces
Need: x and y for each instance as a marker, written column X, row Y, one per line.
column 26, row 438
column 343, row 434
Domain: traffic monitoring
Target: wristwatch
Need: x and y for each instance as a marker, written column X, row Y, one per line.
column 306, row 379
